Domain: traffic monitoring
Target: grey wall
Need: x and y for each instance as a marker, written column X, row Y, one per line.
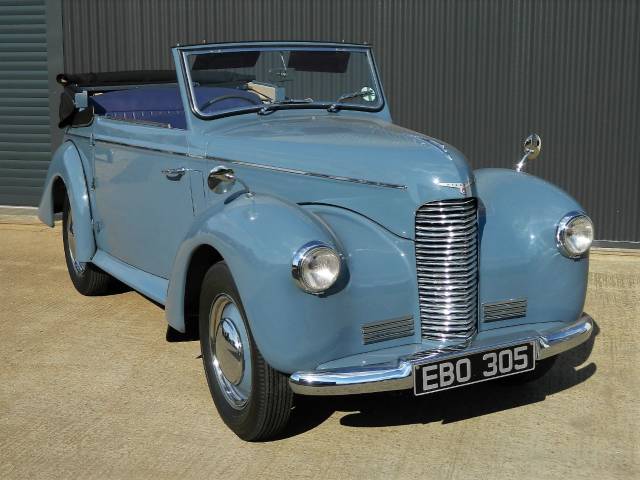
column 478, row 74
column 25, row 146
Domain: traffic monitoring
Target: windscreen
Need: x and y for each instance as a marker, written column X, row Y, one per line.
column 238, row 81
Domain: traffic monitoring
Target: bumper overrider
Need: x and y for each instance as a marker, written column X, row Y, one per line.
column 399, row 376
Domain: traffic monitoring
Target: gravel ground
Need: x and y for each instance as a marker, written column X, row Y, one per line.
column 91, row 388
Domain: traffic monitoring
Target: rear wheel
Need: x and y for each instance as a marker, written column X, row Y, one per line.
column 253, row 399
column 86, row 277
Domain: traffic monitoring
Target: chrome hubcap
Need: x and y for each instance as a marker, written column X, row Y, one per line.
column 231, row 358
column 71, row 241
column 229, row 351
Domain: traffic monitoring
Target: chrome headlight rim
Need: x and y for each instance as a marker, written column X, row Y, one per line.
column 561, row 234
column 302, row 255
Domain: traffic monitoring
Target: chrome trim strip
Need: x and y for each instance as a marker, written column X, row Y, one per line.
column 309, row 174
column 255, row 165
column 141, row 147
column 139, row 121
column 381, row 378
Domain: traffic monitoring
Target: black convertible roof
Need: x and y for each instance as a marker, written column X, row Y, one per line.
column 146, row 77
column 127, row 77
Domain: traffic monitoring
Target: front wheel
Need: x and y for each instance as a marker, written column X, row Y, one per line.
column 253, row 399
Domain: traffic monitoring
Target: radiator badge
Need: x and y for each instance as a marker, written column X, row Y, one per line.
column 463, row 188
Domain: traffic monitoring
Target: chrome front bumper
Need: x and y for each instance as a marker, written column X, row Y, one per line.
column 386, row 377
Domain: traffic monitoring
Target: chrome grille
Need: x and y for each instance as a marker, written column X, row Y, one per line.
column 447, row 268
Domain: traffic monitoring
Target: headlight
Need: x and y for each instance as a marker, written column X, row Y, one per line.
column 574, row 235
column 316, row 267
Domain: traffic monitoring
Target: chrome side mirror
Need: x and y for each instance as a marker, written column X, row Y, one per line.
column 532, row 146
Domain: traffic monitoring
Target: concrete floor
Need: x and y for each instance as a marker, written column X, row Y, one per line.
column 90, row 388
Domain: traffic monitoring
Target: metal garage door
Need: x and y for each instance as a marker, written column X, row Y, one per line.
column 24, row 112
column 480, row 75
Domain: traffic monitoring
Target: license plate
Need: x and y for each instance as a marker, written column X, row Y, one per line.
column 478, row 367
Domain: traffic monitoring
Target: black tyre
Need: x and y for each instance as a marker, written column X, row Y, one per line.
column 542, row 368
column 253, row 399
column 87, row 278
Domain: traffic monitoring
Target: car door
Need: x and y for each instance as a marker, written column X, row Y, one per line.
column 143, row 193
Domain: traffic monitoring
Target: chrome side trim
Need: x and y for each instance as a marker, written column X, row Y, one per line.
column 310, row 174
column 141, row 147
column 381, row 378
column 139, row 121
column 255, row 165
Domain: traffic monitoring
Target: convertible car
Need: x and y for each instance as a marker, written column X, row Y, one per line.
column 262, row 194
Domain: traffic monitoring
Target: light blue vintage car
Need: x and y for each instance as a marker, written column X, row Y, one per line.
column 262, row 194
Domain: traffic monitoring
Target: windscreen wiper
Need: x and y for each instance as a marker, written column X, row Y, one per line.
column 335, row 106
column 273, row 106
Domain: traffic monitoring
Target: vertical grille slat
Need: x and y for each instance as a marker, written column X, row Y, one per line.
column 447, row 268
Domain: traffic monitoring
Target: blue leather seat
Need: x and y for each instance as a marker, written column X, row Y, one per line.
column 163, row 104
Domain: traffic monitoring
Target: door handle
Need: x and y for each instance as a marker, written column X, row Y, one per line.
column 174, row 173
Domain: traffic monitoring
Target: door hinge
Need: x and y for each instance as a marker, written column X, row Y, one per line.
column 92, row 140
column 93, row 183
column 97, row 226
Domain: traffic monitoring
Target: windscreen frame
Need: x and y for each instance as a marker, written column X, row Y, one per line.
column 185, row 52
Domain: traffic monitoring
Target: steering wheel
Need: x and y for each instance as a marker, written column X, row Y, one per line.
column 208, row 103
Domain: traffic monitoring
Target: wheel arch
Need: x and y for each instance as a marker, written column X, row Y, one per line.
column 202, row 259
column 66, row 176
column 58, row 194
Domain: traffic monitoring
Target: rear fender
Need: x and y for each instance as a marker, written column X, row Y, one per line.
column 66, row 167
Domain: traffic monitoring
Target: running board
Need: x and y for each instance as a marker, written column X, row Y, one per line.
column 149, row 285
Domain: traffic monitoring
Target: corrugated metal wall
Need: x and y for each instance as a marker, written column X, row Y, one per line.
column 25, row 147
column 478, row 74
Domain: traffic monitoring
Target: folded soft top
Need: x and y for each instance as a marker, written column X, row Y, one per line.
column 149, row 77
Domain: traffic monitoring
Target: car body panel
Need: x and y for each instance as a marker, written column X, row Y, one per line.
column 519, row 257
column 374, row 163
column 131, row 174
column 149, row 285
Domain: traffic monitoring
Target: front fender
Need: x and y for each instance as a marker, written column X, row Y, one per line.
column 258, row 237
column 66, row 166
column 518, row 216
